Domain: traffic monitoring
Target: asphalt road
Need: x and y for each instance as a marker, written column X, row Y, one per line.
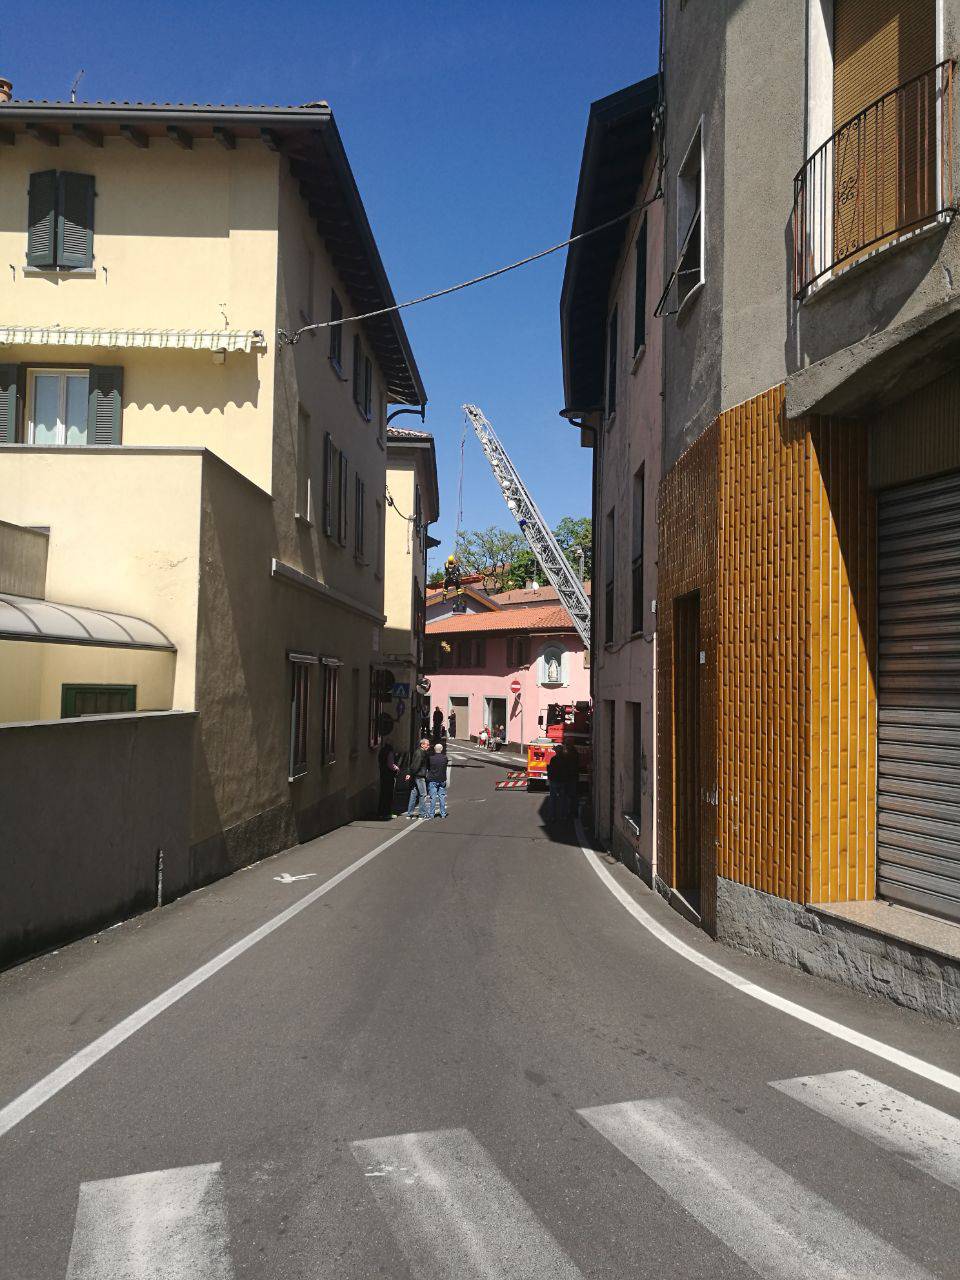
column 465, row 1059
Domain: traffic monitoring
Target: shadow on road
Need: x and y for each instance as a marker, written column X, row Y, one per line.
column 559, row 831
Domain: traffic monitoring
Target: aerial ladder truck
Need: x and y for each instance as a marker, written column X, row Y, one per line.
column 569, row 724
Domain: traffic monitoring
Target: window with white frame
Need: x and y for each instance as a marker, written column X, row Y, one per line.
column 328, row 725
column 690, row 270
column 57, row 406
column 300, row 667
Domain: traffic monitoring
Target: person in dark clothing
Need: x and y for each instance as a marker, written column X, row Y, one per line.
column 437, row 724
column 571, row 779
column 452, row 723
column 557, row 801
column 389, row 769
column 437, row 781
column 416, row 775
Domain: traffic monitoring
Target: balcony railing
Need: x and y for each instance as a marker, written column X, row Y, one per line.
column 887, row 171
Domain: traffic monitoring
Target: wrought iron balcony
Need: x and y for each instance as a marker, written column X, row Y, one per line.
column 885, row 172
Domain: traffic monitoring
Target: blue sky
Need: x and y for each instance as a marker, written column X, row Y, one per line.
column 464, row 124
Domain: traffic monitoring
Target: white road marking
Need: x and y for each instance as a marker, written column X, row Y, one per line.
column 47, row 1088
column 927, row 1070
column 774, row 1224
column 923, row 1136
column 169, row 1225
column 454, row 1214
column 287, row 878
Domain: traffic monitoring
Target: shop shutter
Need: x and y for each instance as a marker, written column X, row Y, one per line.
column 918, row 688
column 105, row 411
column 42, row 219
column 8, row 404
column 75, row 200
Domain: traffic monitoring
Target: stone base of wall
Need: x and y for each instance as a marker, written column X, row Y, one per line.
column 625, row 850
column 763, row 925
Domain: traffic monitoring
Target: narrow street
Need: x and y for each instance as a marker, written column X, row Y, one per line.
column 466, row 1059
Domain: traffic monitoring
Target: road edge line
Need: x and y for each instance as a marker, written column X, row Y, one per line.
column 51, row 1084
column 897, row 1057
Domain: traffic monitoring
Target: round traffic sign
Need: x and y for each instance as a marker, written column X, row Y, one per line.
column 515, row 687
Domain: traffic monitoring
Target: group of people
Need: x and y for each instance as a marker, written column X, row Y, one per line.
column 563, row 777
column 492, row 739
column 426, row 773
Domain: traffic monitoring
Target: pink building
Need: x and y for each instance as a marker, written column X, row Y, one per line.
column 473, row 658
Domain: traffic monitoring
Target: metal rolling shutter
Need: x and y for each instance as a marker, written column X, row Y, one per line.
column 918, row 746
column 878, row 44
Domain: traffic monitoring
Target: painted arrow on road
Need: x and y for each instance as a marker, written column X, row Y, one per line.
column 287, row 878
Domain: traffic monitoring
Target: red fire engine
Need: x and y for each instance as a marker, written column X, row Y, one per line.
column 560, row 723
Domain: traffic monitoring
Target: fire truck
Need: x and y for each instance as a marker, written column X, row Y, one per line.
column 569, row 724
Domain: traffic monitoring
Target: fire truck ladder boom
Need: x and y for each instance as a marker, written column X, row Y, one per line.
column 533, row 526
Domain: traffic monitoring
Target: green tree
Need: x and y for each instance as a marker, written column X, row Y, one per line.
column 489, row 552
column 575, row 534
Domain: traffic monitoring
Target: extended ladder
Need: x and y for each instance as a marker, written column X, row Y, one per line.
column 533, row 526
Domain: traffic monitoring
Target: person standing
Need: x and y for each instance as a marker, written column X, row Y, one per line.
column 437, row 724
column 556, row 780
column 571, row 779
column 452, row 723
column 417, row 777
column 389, row 769
column 437, row 781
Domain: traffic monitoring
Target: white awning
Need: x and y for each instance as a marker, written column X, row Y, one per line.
column 173, row 339
column 27, row 618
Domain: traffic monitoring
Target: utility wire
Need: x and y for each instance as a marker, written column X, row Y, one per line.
column 292, row 338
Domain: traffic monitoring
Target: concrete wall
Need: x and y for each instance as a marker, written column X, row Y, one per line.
column 87, row 804
column 623, row 672
column 32, row 676
column 182, row 240
column 23, row 560
column 124, row 534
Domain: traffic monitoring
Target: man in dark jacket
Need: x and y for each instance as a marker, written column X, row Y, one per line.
column 571, row 779
column 389, row 769
column 556, row 778
column 437, row 781
column 416, row 775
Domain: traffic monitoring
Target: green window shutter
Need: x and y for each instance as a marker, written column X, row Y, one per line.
column 42, row 219
column 75, row 198
column 8, row 404
column 105, row 411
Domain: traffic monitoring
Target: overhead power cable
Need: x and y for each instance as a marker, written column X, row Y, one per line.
column 291, row 338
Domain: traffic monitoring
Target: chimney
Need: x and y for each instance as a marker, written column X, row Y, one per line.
column 6, row 90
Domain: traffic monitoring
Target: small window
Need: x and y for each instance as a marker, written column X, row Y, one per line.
column 480, row 654
column 300, row 664
column 97, row 699
column 343, row 515
column 640, row 290
column 58, row 406
column 60, row 220
column 304, row 483
column 690, row 220
column 328, row 728
column 367, row 388
column 610, row 554
column 329, row 482
column 612, row 338
column 359, row 522
column 636, row 604
column 357, row 372
column 336, row 333
column 523, row 651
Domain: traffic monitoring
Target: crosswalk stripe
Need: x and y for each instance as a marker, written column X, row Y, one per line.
column 166, row 1225
column 920, row 1134
column 772, row 1222
column 453, row 1212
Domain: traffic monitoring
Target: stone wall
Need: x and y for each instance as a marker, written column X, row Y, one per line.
column 764, row 925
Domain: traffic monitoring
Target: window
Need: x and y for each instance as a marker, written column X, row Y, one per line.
column 367, row 388
column 342, row 512
column 357, row 372
column 354, row 712
column 690, row 219
column 328, row 710
column 517, row 651
column 67, row 407
column 60, row 220
column 636, row 605
column 96, row 699
column 359, row 522
column 612, row 328
column 380, row 539
column 640, row 290
column 639, row 761
column 329, row 479
column 480, row 653
column 610, row 552
column 336, row 333
column 300, row 664
column 304, row 488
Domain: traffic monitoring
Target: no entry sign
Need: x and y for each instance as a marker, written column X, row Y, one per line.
column 515, row 687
